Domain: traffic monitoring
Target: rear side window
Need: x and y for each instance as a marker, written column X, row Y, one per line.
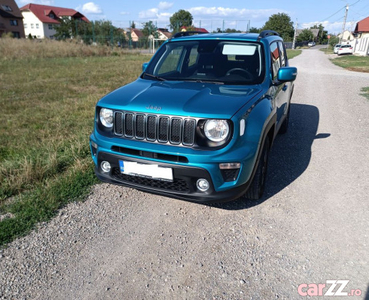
column 275, row 57
column 282, row 54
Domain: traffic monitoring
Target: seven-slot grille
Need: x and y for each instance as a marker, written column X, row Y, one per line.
column 155, row 128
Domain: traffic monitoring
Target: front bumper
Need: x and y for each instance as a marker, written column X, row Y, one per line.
column 183, row 185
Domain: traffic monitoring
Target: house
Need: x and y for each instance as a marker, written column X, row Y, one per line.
column 203, row 30
column 11, row 19
column 163, row 34
column 361, row 33
column 136, row 34
column 346, row 37
column 40, row 20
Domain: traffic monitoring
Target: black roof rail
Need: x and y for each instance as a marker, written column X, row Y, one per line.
column 187, row 33
column 266, row 33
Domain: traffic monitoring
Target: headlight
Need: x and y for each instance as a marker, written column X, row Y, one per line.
column 106, row 117
column 216, row 130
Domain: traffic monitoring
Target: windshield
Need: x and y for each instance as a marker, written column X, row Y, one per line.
column 221, row 62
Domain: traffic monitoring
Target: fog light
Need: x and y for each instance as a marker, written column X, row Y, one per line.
column 105, row 166
column 202, row 185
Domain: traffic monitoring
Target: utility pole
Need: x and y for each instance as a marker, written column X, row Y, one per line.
column 344, row 23
column 294, row 36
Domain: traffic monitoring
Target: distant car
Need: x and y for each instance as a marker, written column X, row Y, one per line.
column 336, row 47
column 311, row 44
column 345, row 49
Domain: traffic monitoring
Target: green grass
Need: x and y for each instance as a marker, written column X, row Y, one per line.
column 293, row 53
column 47, row 109
column 353, row 62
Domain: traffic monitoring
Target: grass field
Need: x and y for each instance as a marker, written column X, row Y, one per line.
column 353, row 62
column 47, row 109
column 293, row 53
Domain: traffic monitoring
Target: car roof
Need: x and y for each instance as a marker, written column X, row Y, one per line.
column 227, row 36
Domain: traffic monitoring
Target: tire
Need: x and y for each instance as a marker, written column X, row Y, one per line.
column 257, row 186
column 284, row 127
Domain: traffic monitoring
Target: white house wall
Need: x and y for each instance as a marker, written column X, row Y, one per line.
column 32, row 25
column 49, row 33
column 362, row 45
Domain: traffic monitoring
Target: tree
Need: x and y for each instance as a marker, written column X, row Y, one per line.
column 281, row 23
column 333, row 40
column 231, row 30
column 322, row 35
column 181, row 18
column 133, row 25
column 63, row 29
column 255, row 30
column 305, row 35
column 149, row 28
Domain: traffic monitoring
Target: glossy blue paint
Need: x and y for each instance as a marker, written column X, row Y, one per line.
column 286, row 74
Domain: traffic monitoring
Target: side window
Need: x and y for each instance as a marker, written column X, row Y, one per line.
column 171, row 61
column 283, row 54
column 193, row 56
column 276, row 62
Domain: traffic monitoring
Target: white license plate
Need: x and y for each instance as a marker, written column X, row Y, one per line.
column 148, row 171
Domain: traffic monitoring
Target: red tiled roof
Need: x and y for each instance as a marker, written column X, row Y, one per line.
column 196, row 29
column 362, row 26
column 137, row 32
column 202, row 30
column 42, row 12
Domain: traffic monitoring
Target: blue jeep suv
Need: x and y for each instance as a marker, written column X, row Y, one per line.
column 199, row 122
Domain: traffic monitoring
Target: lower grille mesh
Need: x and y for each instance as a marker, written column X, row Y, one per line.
column 178, row 185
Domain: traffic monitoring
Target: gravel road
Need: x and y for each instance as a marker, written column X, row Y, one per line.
column 311, row 226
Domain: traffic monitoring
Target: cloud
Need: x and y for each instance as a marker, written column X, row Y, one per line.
column 149, row 13
column 165, row 5
column 227, row 13
column 91, row 8
column 335, row 27
column 125, row 13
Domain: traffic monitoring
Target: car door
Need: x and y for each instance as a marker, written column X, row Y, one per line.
column 278, row 58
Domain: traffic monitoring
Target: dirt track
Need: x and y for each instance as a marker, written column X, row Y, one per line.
column 311, row 226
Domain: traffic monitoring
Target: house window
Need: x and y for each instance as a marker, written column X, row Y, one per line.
column 25, row 25
column 52, row 16
column 37, row 26
column 6, row 7
column 32, row 26
column 16, row 35
column 13, row 23
column 50, row 26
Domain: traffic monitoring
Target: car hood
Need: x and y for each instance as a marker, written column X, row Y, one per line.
column 180, row 98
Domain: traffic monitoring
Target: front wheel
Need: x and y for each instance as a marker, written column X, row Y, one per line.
column 257, row 186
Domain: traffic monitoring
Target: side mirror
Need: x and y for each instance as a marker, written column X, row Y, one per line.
column 287, row 74
column 144, row 66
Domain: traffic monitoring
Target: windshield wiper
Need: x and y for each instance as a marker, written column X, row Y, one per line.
column 153, row 76
column 204, row 81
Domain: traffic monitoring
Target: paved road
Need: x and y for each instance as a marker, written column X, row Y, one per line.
column 311, row 226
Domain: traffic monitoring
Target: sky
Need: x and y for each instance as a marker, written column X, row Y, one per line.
column 216, row 14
